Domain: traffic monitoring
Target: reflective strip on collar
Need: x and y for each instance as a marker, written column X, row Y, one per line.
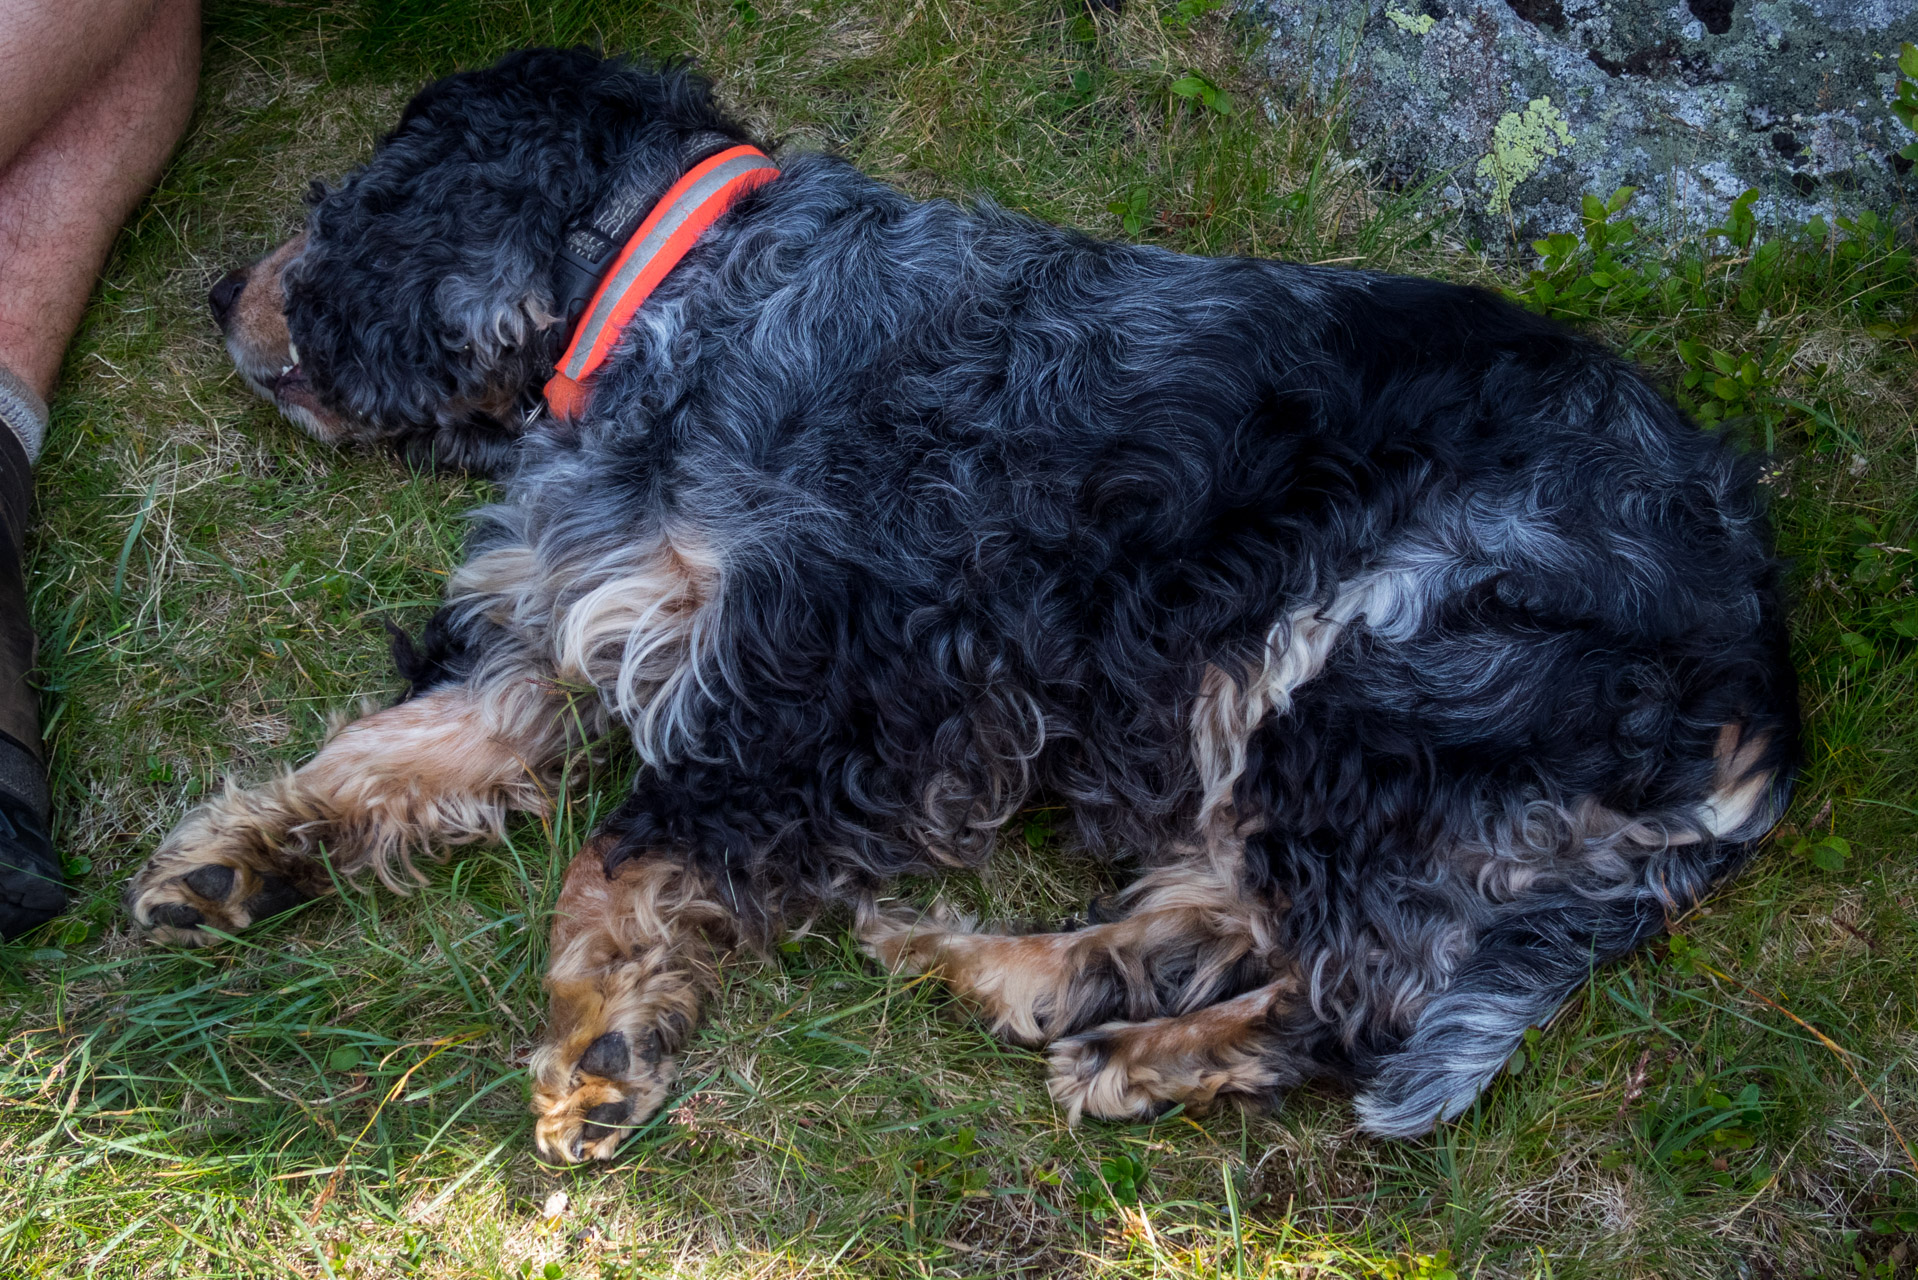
column 669, row 232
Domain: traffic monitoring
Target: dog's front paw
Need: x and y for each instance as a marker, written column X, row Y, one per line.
column 208, row 875
column 590, row 1103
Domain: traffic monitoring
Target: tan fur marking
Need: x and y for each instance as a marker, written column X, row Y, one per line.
column 1230, row 708
column 1740, row 786
column 1026, row 986
column 441, row 770
column 632, row 954
column 262, row 350
column 256, row 328
column 1125, row 1070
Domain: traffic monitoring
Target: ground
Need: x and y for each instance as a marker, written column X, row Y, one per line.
column 343, row 1093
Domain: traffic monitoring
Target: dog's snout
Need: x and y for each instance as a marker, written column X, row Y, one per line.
column 224, row 294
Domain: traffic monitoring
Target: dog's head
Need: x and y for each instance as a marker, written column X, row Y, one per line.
column 417, row 308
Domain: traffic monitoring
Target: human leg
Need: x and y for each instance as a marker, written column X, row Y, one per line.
column 88, row 115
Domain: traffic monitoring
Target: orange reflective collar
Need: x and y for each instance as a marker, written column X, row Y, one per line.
column 668, row 234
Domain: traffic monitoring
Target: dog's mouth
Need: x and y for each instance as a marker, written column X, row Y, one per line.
column 287, row 387
column 290, row 385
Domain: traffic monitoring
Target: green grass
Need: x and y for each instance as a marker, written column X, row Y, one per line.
column 343, row 1093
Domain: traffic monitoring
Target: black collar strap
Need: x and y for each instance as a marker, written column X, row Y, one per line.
column 592, row 240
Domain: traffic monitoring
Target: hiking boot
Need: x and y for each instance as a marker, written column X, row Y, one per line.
column 32, row 887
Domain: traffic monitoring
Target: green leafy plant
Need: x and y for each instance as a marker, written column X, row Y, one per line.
column 1185, row 12
column 1876, row 580
column 1741, row 226
column 1905, row 104
column 1527, row 1054
column 1420, row 1266
column 951, row 1165
column 1586, row 275
column 1134, row 209
column 1827, row 853
column 1038, row 830
column 1700, row 1130
column 1114, row 1182
column 1201, row 89
column 1722, row 388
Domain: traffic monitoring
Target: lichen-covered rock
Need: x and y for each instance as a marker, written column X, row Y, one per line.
column 1525, row 105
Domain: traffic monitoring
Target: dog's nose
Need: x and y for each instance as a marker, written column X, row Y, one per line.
column 225, row 294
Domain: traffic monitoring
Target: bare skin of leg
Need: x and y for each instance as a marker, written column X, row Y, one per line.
column 1133, row 1070
column 439, row 770
column 1189, row 937
column 633, row 957
column 92, row 100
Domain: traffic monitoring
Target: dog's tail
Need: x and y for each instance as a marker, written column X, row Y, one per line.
column 1545, row 948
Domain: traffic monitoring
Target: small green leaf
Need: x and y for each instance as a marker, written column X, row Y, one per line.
column 1830, row 853
column 1208, row 94
column 1908, row 59
column 344, row 1058
column 1620, row 198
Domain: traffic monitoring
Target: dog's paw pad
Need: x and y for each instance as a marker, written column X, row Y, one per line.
column 605, row 1095
column 606, row 1056
column 211, row 881
column 604, row 1121
column 188, row 909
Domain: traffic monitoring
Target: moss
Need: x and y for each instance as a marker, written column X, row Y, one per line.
column 1416, row 23
column 1521, row 142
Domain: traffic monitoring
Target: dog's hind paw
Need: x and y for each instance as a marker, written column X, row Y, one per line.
column 1094, row 1074
column 907, row 942
column 589, row 1104
column 1139, row 1070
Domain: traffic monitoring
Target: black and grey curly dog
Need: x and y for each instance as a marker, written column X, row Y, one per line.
column 1417, row 652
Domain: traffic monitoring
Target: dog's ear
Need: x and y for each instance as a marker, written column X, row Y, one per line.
column 424, row 297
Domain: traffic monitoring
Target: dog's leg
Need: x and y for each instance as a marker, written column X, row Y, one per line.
column 632, row 957
column 441, row 769
column 1191, row 937
column 1125, row 1071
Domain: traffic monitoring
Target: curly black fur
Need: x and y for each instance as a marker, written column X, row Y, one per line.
column 989, row 496
column 423, row 305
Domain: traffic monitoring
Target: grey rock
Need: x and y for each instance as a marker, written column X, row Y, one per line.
column 1520, row 107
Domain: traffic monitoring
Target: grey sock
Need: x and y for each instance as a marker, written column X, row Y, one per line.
column 24, row 412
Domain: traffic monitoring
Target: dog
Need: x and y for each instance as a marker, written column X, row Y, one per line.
column 1417, row 654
